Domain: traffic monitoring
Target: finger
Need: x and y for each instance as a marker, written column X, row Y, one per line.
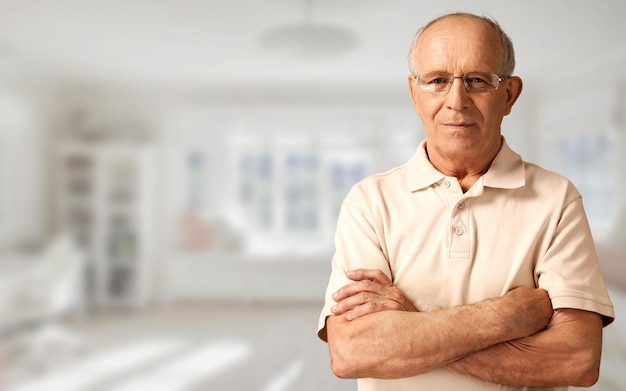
column 361, row 292
column 367, row 302
column 375, row 275
column 365, row 309
column 370, row 307
column 355, row 288
column 353, row 301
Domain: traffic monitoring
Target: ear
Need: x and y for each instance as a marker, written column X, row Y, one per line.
column 513, row 91
column 413, row 91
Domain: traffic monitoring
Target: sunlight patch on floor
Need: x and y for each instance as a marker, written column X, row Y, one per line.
column 185, row 371
column 286, row 378
column 89, row 372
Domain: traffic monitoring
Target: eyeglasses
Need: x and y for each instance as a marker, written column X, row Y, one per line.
column 473, row 81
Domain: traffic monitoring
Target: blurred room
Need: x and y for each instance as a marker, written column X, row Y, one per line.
column 171, row 173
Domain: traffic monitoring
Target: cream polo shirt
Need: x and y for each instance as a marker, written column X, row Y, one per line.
column 519, row 225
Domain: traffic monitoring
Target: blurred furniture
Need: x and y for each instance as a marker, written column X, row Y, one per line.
column 37, row 294
column 106, row 201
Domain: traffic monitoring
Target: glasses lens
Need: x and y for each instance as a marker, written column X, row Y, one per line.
column 434, row 81
column 481, row 82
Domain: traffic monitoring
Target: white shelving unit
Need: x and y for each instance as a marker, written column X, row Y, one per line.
column 106, row 201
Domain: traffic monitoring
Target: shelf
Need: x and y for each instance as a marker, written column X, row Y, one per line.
column 105, row 199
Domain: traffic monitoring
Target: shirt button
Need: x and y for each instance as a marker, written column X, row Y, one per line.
column 446, row 184
column 459, row 230
column 461, row 205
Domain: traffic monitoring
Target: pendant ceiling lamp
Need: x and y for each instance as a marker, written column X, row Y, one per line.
column 309, row 39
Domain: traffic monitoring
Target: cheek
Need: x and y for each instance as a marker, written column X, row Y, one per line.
column 428, row 108
column 500, row 106
column 491, row 112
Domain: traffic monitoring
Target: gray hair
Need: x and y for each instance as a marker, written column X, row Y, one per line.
column 508, row 60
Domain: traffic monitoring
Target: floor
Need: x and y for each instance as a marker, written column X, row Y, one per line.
column 213, row 346
column 192, row 347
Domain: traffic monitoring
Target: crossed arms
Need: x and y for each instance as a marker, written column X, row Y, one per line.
column 516, row 339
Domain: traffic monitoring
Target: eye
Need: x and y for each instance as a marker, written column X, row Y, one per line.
column 476, row 80
column 434, row 81
column 435, row 78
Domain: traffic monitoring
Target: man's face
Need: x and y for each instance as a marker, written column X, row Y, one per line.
column 461, row 124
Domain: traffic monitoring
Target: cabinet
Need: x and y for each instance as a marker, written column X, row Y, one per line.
column 106, row 202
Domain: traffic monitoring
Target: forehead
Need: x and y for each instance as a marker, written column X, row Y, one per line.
column 459, row 43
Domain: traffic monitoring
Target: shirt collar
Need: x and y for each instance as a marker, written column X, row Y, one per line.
column 506, row 170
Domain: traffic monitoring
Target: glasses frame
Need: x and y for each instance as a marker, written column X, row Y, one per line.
column 499, row 78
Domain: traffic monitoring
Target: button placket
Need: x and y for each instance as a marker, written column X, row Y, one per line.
column 460, row 238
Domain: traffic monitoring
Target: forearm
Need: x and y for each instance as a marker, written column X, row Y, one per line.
column 567, row 353
column 395, row 344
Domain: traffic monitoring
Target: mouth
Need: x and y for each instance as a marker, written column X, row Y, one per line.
column 458, row 125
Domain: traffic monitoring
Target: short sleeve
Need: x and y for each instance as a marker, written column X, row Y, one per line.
column 569, row 269
column 357, row 246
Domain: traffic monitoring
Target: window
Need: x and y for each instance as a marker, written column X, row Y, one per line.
column 271, row 181
column 291, row 196
column 301, row 192
column 257, row 190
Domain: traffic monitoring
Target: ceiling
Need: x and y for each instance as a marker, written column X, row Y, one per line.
column 210, row 44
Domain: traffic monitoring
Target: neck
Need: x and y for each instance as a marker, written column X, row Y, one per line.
column 467, row 169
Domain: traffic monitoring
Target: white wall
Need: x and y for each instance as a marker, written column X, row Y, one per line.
column 22, row 177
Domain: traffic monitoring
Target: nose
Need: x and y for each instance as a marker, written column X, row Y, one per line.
column 457, row 97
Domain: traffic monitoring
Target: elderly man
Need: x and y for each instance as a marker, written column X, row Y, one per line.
column 465, row 268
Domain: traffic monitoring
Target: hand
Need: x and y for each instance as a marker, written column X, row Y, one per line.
column 371, row 292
